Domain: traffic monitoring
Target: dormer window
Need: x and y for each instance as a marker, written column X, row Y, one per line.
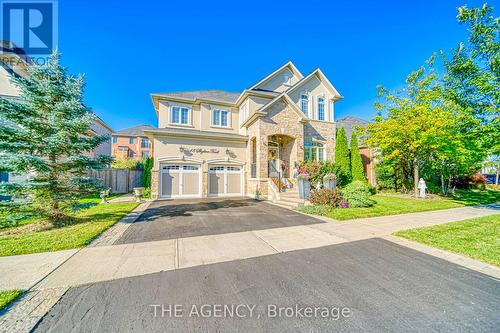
column 304, row 104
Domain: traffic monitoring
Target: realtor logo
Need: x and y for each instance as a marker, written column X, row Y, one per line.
column 30, row 25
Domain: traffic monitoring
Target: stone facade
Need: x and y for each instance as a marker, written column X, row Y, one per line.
column 324, row 132
column 154, row 184
column 284, row 125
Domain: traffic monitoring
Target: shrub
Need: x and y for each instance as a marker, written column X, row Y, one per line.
column 358, row 194
column 146, row 175
column 479, row 181
column 127, row 163
column 326, row 196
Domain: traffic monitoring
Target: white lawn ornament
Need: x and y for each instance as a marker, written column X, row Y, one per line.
column 422, row 187
column 318, row 185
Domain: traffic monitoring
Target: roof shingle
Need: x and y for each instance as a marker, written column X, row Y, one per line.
column 215, row 95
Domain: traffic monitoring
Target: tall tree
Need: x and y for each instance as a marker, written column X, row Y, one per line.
column 46, row 137
column 342, row 154
column 357, row 171
column 414, row 123
column 472, row 76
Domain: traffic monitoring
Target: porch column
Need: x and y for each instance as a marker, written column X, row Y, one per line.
column 262, row 151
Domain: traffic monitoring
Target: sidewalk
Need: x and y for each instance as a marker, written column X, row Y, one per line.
column 50, row 274
column 110, row 262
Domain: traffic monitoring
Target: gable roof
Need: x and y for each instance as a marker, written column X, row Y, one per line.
column 322, row 78
column 289, row 64
column 349, row 123
column 134, row 131
column 213, row 95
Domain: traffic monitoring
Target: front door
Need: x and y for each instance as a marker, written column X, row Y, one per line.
column 273, row 160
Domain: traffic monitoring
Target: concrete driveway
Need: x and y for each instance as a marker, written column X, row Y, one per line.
column 384, row 286
column 189, row 218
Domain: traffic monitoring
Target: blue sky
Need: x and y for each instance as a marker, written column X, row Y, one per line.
column 129, row 49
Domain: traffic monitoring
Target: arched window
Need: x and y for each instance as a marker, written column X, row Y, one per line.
column 321, row 108
column 304, row 104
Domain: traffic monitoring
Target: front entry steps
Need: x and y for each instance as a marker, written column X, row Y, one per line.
column 289, row 199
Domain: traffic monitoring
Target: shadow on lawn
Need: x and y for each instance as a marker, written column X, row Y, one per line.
column 470, row 198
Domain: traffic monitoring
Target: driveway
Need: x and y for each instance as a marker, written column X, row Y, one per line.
column 384, row 287
column 188, row 218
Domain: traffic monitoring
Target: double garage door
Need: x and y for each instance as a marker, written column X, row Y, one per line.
column 184, row 181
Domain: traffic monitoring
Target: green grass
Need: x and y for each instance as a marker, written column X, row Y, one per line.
column 392, row 205
column 6, row 297
column 90, row 223
column 478, row 238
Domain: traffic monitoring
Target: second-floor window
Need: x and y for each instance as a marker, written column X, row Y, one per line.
column 115, row 139
column 179, row 115
column 144, row 143
column 321, row 108
column 304, row 104
column 220, row 118
column 131, row 140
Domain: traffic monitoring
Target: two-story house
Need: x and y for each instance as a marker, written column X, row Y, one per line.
column 217, row 143
column 133, row 143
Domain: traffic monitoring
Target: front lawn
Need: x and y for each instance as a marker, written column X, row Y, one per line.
column 478, row 238
column 91, row 221
column 6, row 297
column 393, row 204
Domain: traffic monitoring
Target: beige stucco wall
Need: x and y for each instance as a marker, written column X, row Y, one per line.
column 314, row 88
column 213, row 152
column 206, row 118
column 275, row 83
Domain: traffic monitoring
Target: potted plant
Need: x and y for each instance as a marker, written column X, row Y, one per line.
column 104, row 194
column 330, row 181
column 304, row 185
column 138, row 192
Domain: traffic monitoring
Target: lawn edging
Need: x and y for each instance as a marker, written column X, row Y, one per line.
column 467, row 262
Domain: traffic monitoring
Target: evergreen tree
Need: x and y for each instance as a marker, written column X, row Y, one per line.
column 45, row 137
column 342, row 155
column 357, row 171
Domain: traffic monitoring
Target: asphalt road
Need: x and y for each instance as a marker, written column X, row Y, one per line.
column 177, row 219
column 385, row 287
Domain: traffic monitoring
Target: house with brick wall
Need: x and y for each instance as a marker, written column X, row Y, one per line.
column 132, row 143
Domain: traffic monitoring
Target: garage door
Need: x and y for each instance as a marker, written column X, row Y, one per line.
column 225, row 180
column 180, row 181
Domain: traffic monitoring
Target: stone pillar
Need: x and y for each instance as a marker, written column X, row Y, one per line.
column 262, row 153
column 155, row 184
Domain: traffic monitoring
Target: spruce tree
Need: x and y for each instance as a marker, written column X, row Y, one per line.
column 45, row 137
column 342, row 156
column 357, row 171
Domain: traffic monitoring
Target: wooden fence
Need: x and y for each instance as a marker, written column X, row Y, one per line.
column 119, row 180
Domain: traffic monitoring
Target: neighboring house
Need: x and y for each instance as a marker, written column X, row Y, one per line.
column 350, row 124
column 218, row 143
column 132, row 142
column 12, row 63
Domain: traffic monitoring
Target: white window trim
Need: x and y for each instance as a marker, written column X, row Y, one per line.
column 305, row 93
column 325, row 116
column 190, row 116
column 310, row 148
column 229, row 118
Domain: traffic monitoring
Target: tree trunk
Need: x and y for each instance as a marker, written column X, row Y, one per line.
column 498, row 171
column 443, row 188
column 416, row 176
